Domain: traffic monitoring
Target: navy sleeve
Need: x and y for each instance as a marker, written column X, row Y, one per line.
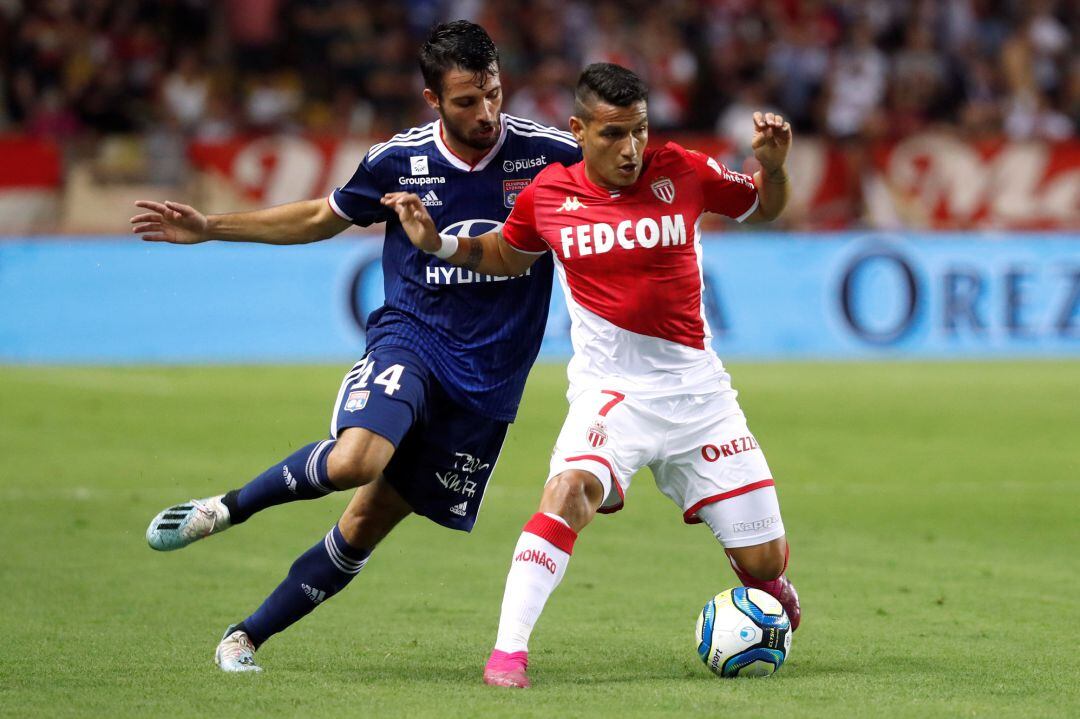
column 358, row 200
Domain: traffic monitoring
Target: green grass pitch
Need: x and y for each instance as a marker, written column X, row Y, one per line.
column 933, row 510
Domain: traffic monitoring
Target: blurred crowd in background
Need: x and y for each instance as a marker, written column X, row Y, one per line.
column 214, row 69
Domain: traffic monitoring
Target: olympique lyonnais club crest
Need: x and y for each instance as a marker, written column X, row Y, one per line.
column 664, row 189
column 597, row 434
column 511, row 190
column 357, row 400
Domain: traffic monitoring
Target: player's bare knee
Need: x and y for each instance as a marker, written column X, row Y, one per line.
column 357, row 459
column 573, row 495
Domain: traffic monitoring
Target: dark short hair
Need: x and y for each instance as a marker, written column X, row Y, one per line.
column 609, row 83
column 459, row 44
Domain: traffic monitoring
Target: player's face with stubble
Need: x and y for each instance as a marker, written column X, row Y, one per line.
column 613, row 141
column 470, row 112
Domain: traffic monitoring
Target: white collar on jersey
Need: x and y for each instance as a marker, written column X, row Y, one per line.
column 460, row 164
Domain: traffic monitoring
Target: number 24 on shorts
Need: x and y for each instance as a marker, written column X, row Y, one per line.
column 388, row 378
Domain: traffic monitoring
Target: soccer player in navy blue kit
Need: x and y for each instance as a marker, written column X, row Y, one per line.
column 419, row 421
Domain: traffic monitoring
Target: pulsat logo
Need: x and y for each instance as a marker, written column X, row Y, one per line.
column 515, row 165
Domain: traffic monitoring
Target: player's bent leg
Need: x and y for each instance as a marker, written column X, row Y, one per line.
column 750, row 529
column 543, row 550
column 374, row 510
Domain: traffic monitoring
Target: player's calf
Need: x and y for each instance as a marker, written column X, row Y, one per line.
column 763, row 570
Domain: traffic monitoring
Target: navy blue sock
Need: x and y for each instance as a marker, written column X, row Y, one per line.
column 301, row 475
column 319, row 573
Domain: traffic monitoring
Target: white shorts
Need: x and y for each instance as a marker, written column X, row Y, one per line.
column 698, row 447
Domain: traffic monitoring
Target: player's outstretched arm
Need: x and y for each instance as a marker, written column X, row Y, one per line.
column 488, row 254
column 771, row 142
column 292, row 224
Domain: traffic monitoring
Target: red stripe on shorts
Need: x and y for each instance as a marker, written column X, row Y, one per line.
column 614, row 480
column 690, row 515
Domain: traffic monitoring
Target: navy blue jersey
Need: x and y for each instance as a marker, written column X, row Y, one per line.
column 479, row 334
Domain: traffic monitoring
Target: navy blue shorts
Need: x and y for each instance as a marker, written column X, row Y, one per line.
column 444, row 454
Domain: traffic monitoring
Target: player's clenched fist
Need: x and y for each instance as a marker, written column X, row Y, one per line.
column 414, row 219
column 169, row 222
column 772, row 139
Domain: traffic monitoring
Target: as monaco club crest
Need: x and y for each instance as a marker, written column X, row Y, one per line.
column 664, row 189
column 597, row 434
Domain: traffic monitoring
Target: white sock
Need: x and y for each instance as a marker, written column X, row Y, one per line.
column 539, row 563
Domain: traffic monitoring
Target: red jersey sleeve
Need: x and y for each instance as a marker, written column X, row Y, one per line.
column 519, row 231
column 725, row 192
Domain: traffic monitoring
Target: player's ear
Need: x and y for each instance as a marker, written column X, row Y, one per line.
column 431, row 99
column 577, row 129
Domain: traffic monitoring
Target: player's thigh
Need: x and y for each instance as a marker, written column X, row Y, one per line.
column 610, row 435
column 380, row 400
column 718, row 471
column 443, row 465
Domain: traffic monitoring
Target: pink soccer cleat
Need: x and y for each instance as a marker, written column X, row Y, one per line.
column 785, row 593
column 507, row 669
column 780, row 589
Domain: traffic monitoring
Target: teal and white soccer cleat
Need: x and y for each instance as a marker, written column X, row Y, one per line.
column 179, row 526
column 235, row 652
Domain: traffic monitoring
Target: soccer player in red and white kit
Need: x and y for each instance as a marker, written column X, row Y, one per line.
column 646, row 389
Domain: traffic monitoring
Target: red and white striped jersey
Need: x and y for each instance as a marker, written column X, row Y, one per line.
column 630, row 265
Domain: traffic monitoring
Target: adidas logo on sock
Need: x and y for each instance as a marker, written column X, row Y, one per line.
column 431, row 199
column 315, row 595
column 460, row 509
column 290, row 481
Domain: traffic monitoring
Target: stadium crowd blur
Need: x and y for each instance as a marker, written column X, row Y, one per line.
column 842, row 68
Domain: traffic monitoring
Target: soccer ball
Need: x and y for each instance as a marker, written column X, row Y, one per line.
column 743, row 632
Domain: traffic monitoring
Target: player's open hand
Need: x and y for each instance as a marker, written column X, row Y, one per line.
column 415, row 219
column 772, row 139
column 169, row 222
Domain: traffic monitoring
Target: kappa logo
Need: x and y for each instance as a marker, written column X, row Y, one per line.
column 431, row 199
column 418, row 164
column 664, row 189
column 571, row 204
column 756, row 525
column 315, row 595
column 597, row 434
column 290, row 481
column 460, row 509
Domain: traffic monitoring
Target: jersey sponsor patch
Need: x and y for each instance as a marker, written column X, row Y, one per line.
column 357, row 400
column 511, row 190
